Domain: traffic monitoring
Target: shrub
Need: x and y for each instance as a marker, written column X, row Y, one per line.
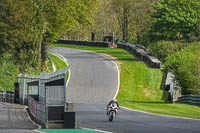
column 8, row 74
column 185, row 65
column 162, row 49
column 174, row 19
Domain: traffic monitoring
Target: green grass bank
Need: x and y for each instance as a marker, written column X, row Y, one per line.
column 140, row 85
column 59, row 64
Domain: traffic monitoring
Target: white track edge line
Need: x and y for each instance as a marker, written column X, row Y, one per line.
column 81, row 128
column 159, row 114
column 118, row 72
column 38, row 131
column 96, row 130
column 65, row 60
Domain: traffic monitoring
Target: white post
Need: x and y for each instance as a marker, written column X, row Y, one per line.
column 113, row 37
column 24, row 90
column 65, row 87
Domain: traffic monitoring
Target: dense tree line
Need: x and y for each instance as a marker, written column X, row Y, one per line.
column 174, row 39
column 169, row 29
column 26, row 26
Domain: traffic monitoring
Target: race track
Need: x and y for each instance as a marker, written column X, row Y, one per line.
column 93, row 82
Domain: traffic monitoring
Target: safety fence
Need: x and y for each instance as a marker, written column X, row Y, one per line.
column 141, row 53
column 6, row 96
column 45, row 95
column 45, row 112
column 189, row 99
column 37, row 108
column 85, row 43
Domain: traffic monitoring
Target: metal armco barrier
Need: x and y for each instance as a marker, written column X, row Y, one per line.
column 189, row 99
column 6, row 96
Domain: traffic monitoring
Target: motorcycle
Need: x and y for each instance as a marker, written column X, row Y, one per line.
column 112, row 113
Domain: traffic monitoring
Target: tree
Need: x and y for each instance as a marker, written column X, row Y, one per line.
column 27, row 26
column 132, row 16
column 122, row 10
column 80, row 18
column 104, row 20
column 174, row 19
column 19, row 32
column 141, row 17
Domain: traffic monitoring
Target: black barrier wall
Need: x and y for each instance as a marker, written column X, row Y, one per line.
column 138, row 50
column 69, row 120
column 141, row 53
column 84, row 43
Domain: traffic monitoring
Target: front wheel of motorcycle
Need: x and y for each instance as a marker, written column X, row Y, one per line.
column 111, row 116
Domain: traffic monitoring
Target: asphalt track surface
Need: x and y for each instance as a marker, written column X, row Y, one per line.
column 14, row 119
column 93, row 82
column 93, row 77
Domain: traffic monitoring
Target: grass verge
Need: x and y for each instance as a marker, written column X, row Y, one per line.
column 140, row 85
column 59, row 64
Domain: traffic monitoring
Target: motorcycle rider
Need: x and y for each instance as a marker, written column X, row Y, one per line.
column 112, row 103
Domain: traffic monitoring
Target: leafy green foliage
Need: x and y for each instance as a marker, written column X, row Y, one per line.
column 177, row 22
column 133, row 17
column 174, row 19
column 8, row 74
column 163, row 49
column 18, row 32
column 79, row 19
column 26, row 26
column 186, row 68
